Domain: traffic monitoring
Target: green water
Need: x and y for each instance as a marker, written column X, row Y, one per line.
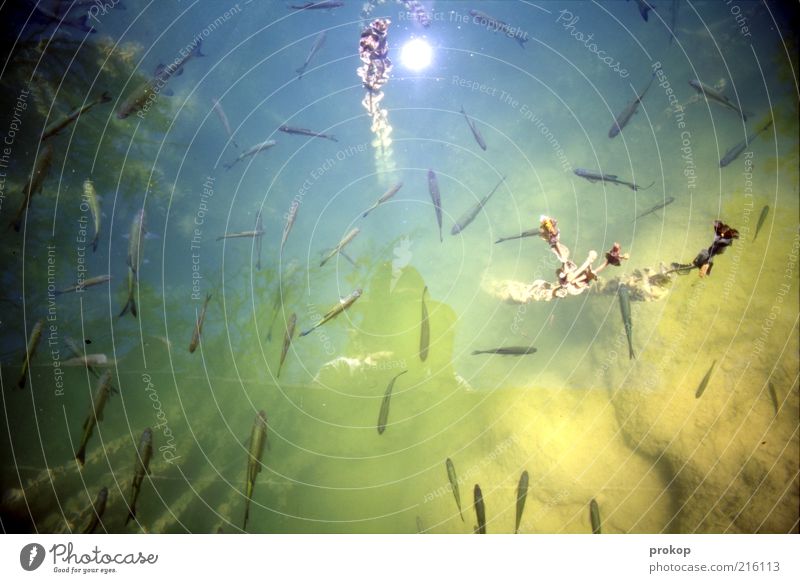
column 583, row 419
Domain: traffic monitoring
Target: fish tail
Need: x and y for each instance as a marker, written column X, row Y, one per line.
column 631, row 353
column 646, row 187
column 131, row 513
column 234, row 143
column 197, row 52
column 23, row 379
column 95, row 242
column 130, row 305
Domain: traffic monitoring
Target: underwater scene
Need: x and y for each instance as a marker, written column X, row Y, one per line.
column 399, row 266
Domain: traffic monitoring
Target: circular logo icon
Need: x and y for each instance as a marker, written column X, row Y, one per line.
column 31, row 556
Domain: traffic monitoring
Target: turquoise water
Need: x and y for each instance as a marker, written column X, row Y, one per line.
column 578, row 415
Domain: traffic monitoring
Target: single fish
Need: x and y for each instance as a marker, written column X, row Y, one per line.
column 480, row 511
column 522, row 493
column 451, row 475
column 714, row 95
column 90, row 195
column 384, row 197
column 343, row 304
column 470, row 215
column 383, row 416
column 761, row 218
column 773, row 397
column 30, row 351
column 498, row 25
column 224, row 119
column 35, row 182
column 88, row 360
column 594, row 516
column 736, row 150
column 623, row 118
column 644, row 8
column 242, row 235
column 592, row 176
column 95, row 415
column 425, row 330
column 625, row 308
column 130, row 303
column 530, row 233
column 148, row 90
column 433, row 188
column 318, row 42
column 55, row 127
column 347, row 238
column 287, row 339
column 142, row 463
column 98, row 508
column 291, row 217
column 305, row 132
column 135, row 239
column 258, row 437
column 507, row 351
column 198, row 328
column 704, row 383
column 260, row 147
column 475, row 133
column 82, row 285
column 657, row 207
column 325, row 4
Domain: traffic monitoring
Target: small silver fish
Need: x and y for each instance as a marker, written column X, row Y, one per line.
column 704, row 383
column 451, row 475
column 594, row 516
column 383, row 416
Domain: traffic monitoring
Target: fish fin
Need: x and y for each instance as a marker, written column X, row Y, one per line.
column 130, row 305
column 612, row 176
column 179, row 72
column 159, row 69
column 197, row 52
column 105, row 97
